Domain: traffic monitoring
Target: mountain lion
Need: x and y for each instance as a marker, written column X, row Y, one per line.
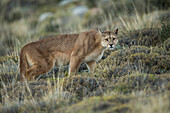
column 40, row 57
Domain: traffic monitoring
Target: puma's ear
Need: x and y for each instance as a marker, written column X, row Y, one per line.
column 116, row 31
column 100, row 31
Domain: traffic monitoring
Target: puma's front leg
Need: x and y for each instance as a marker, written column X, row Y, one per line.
column 91, row 65
column 74, row 65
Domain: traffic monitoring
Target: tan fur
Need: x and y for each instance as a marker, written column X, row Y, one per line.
column 40, row 57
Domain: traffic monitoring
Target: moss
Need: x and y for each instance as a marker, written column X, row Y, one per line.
column 121, row 109
column 100, row 104
column 167, row 44
column 165, row 30
column 143, row 59
column 145, row 37
column 84, row 86
column 142, row 82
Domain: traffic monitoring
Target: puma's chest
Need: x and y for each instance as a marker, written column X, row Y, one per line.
column 94, row 56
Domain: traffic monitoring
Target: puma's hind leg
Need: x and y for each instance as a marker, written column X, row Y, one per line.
column 39, row 68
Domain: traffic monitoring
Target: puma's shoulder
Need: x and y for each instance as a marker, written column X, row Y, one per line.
column 92, row 36
column 90, row 33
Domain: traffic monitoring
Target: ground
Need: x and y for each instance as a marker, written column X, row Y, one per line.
column 132, row 78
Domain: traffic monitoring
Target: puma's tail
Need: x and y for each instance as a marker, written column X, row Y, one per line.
column 23, row 65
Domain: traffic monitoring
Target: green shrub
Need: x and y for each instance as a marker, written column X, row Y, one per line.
column 167, row 44
column 104, row 104
column 137, row 58
column 145, row 37
column 161, row 4
column 164, row 31
column 148, row 83
column 84, row 86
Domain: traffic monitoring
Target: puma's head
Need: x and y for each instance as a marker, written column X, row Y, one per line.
column 109, row 38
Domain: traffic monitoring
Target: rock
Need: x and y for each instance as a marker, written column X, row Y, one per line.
column 65, row 2
column 45, row 15
column 79, row 10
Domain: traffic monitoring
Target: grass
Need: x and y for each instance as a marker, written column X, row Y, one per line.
column 132, row 78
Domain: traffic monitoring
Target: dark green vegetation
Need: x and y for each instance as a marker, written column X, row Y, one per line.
column 133, row 78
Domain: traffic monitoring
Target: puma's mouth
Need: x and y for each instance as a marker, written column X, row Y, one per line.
column 111, row 48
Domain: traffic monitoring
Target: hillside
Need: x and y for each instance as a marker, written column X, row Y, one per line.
column 132, row 78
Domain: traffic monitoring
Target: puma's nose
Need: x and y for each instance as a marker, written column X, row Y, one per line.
column 111, row 45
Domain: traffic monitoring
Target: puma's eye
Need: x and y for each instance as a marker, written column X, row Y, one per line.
column 106, row 39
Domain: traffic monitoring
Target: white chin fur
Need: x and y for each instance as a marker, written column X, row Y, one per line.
column 111, row 48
